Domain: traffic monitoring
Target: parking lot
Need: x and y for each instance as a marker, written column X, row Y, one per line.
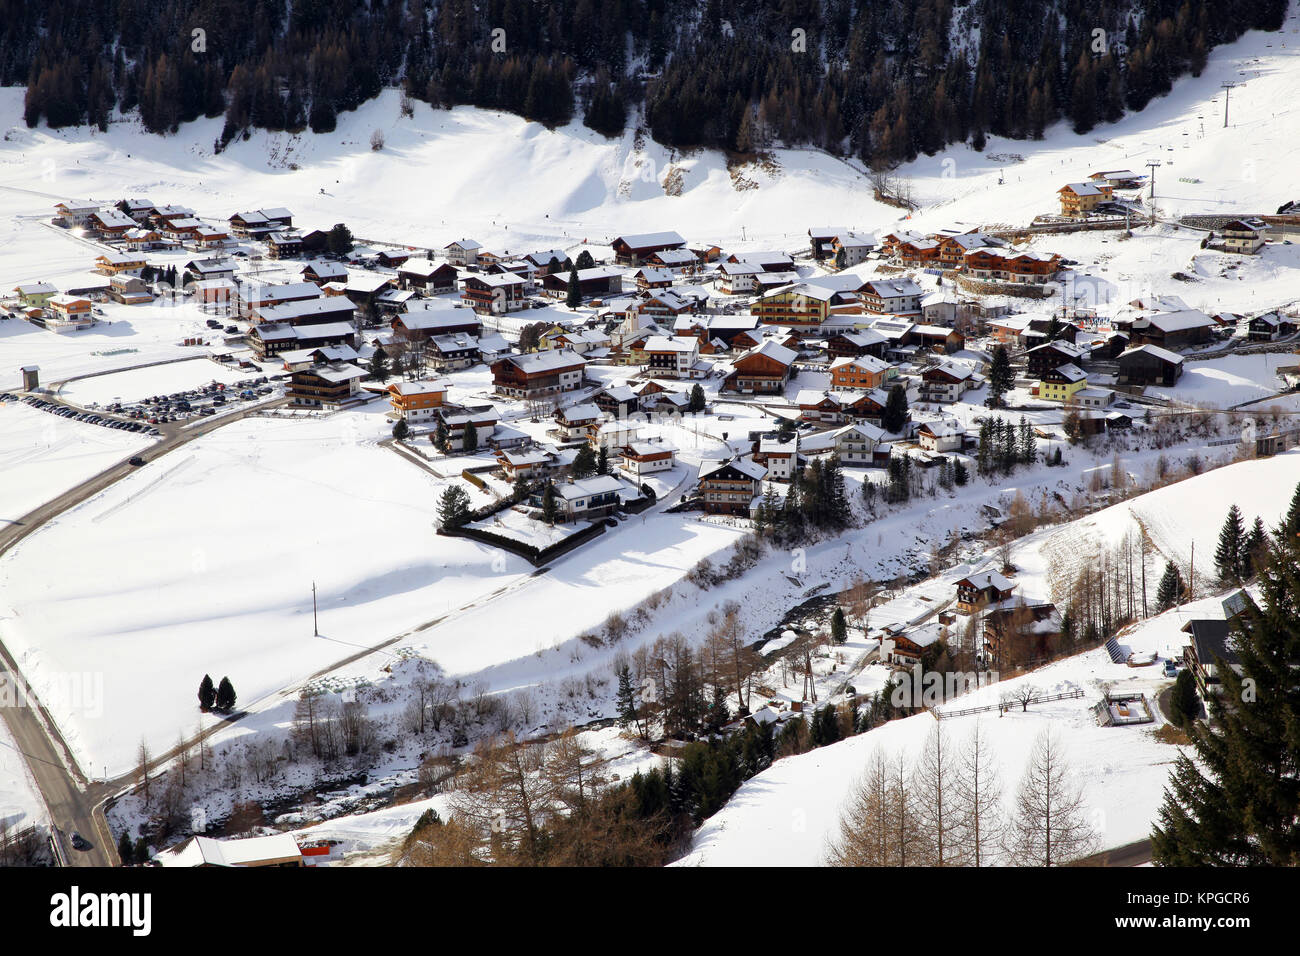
column 90, row 418
column 200, row 402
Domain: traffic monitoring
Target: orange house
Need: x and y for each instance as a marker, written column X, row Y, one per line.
column 417, row 401
column 864, row 372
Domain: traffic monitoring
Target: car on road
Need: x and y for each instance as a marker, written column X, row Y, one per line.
column 79, row 842
column 135, row 460
column 1171, row 669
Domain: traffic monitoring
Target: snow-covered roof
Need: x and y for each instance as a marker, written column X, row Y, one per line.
column 645, row 240
column 205, row 851
column 1156, row 351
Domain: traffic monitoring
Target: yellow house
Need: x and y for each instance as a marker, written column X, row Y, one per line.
column 111, row 263
column 1079, row 199
column 1061, row 383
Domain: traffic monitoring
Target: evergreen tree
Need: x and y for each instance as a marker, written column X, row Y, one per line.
column 625, row 699
column 441, row 436
column 1255, row 551
column 839, row 630
column 401, row 430
column 453, row 507
column 1229, row 555
column 697, row 402
column 124, row 849
column 584, row 462
column 469, row 439
column 894, row 417
column 339, row 239
column 1238, row 802
column 550, row 510
column 1170, row 590
column 602, row 461
column 959, row 474
column 585, row 260
column 1288, row 532
column 573, row 297
column 225, row 696
column 1184, row 704
column 1028, row 442
column 378, row 367
column 1001, row 379
column 207, row 693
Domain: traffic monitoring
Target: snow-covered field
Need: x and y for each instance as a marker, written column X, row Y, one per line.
column 204, row 562
column 131, row 386
column 43, row 455
column 1228, row 381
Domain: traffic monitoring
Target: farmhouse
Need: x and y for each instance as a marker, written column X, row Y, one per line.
column 856, row 443
column 596, row 282
column 980, row 590
column 415, row 402
column 315, row 311
column 1172, row 330
column 673, row 357
column 728, row 487
column 1209, row 650
column 71, row 214
column 457, row 350
column 261, row 222
column 323, row 386
column 857, row 343
column 251, row 297
column 577, row 421
column 128, row 289
column 946, row 382
column 66, row 313
column 427, row 276
column 417, row 324
column 1062, row 383
column 35, row 295
column 1149, row 365
column 892, row 296
column 822, row 238
column 321, row 271
column 762, row 370
column 463, row 252
column 635, row 250
column 641, row 458
column 538, row 374
column 864, row 372
column 493, row 294
column 804, row 305
column 273, row 338
column 1245, row 236
column 593, row 497
column 941, row 436
column 1080, row 199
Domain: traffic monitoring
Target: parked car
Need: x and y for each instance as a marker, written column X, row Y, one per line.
column 135, row 460
column 1171, row 669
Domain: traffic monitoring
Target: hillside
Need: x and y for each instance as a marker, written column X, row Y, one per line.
column 882, row 81
column 531, row 187
column 787, row 815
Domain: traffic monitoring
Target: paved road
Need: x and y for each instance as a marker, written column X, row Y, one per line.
column 73, row 802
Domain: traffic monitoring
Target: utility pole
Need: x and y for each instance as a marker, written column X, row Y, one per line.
column 315, row 627
column 1153, row 165
column 1227, row 90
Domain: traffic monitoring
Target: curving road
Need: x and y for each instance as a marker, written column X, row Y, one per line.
column 73, row 802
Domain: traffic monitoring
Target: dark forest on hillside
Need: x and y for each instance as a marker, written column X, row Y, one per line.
column 880, row 79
